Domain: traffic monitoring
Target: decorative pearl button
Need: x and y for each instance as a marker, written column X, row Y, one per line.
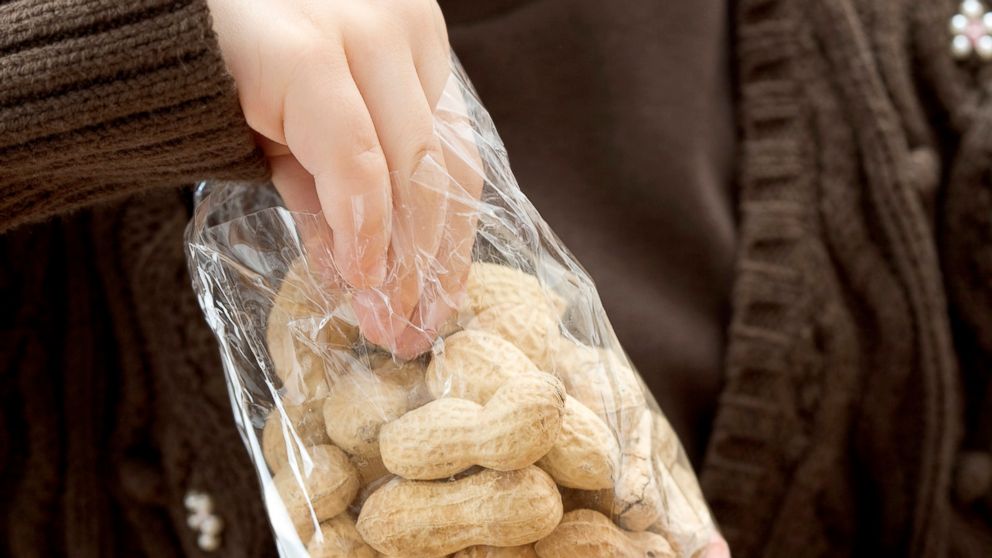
column 211, row 525
column 207, row 542
column 971, row 30
column 202, row 519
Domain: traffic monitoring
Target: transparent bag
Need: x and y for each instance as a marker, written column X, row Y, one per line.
column 522, row 431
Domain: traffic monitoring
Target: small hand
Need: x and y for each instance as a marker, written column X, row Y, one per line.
column 341, row 95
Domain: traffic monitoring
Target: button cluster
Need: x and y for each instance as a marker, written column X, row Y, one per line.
column 202, row 519
column 971, row 30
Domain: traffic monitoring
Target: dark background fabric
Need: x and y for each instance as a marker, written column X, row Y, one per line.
column 620, row 128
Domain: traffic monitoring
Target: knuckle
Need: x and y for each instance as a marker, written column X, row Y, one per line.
column 427, row 148
column 367, row 155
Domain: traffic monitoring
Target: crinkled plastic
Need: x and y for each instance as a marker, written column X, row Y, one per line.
column 523, row 409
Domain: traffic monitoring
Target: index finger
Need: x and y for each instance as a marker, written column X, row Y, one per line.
column 329, row 130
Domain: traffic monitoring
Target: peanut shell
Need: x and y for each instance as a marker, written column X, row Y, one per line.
column 638, row 499
column 490, row 284
column 586, row 455
column 329, row 483
column 518, row 425
column 428, row 519
column 358, row 404
column 307, row 430
column 686, row 521
column 531, row 328
column 602, row 381
column 338, row 538
column 525, row 551
column 590, row 534
column 473, row 364
column 302, row 324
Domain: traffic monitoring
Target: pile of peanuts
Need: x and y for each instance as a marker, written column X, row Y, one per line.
column 512, row 440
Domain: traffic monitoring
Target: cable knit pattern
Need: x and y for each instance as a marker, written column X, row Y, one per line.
column 842, row 417
column 791, row 355
column 127, row 95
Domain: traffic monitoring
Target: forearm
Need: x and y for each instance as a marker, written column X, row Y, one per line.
column 101, row 98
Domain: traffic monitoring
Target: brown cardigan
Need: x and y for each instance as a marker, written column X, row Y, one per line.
column 863, row 148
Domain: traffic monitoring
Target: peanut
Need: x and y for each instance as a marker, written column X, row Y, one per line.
column 302, row 324
column 307, row 430
column 473, row 365
column 686, row 521
column 518, row 425
column 431, row 519
column 638, row 501
column 585, row 457
column 338, row 538
column 525, row 551
column 411, row 375
column 532, row 328
column 586, row 454
column 360, row 402
column 590, row 534
column 490, row 284
column 602, row 381
column 329, row 483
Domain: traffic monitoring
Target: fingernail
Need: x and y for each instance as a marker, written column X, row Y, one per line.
column 413, row 343
column 438, row 314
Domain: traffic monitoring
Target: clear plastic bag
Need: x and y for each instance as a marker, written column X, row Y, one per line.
column 524, row 424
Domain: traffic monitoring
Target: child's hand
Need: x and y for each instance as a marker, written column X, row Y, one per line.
column 341, row 93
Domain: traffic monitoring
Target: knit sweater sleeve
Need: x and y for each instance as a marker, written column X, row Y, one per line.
column 102, row 98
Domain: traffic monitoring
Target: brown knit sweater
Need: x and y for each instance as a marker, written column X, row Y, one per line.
column 854, row 417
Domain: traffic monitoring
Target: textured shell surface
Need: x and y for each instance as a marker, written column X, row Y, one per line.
column 338, row 538
column 686, row 520
column 590, row 534
column 433, row 519
column 357, row 405
column 602, row 381
column 517, row 426
column 524, row 551
column 586, row 455
column 531, row 328
column 305, row 427
column 638, row 499
column 303, row 324
column 473, row 364
column 327, row 483
column 489, row 284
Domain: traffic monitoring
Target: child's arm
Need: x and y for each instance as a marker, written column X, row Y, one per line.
column 102, row 98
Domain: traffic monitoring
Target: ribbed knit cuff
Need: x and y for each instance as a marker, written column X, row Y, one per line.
column 100, row 98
